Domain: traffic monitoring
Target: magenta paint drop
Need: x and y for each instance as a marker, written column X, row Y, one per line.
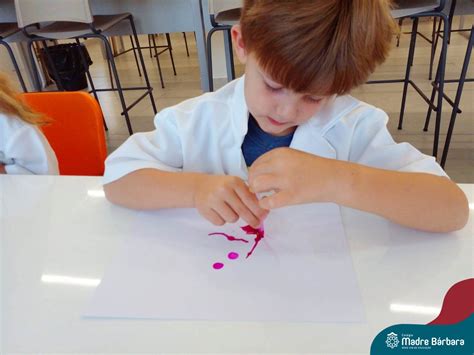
column 233, row 255
column 259, row 235
column 230, row 237
column 218, row 266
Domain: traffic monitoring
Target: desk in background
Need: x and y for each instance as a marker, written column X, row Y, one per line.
column 64, row 226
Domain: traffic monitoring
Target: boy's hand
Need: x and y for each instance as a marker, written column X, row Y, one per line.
column 296, row 177
column 224, row 199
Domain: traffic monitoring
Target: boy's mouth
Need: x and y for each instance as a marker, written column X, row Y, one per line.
column 275, row 122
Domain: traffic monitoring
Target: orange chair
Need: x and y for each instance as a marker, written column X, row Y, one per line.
column 76, row 132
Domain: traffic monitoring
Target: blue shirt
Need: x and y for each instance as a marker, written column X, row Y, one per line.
column 258, row 142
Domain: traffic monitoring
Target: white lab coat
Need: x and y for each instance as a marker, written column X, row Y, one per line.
column 205, row 134
column 24, row 149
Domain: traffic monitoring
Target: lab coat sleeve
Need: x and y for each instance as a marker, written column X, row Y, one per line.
column 159, row 149
column 29, row 152
column 372, row 145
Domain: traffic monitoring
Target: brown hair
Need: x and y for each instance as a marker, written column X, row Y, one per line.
column 10, row 104
column 319, row 46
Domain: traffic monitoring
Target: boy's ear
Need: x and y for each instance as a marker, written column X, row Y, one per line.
column 238, row 43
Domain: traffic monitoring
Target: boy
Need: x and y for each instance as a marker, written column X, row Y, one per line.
column 301, row 59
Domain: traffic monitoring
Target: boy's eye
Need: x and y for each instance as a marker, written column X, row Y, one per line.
column 271, row 88
column 313, row 100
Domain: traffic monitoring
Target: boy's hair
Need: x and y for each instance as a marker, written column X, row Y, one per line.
column 10, row 104
column 318, row 46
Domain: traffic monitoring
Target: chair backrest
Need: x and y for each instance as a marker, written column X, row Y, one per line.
column 217, row 6
column 76, row 131
column 7, row 29
column 36, row 11
column 405, row 8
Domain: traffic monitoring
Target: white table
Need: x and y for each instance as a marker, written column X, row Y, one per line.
column 64, row 226
column 151, row 16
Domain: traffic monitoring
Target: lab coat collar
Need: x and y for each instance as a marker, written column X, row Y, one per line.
column 240, row 111
column 310, row 136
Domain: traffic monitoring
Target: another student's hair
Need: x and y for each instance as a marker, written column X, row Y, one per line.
column 10, row 104
column 318, row 46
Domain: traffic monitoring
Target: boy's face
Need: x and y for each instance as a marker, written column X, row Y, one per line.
column 277, row 110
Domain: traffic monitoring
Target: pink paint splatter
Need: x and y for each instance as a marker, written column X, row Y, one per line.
column 230, row 237
column 218, row 266
column 259, row 235
column 233, row 255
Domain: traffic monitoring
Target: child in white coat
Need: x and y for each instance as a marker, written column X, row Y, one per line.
column 289, row 127
column 23, row 148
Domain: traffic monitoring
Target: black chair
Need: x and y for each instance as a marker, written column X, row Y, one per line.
column 152, row 45
column 452, row 8
column 455, row 104
column 416, row 9
column 74, row 20
column 163, row 48
column 223, row 15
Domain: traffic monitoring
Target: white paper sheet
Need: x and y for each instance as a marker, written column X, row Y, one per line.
column 301, row 271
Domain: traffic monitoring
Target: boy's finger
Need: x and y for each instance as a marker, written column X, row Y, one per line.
column 264, row 158
column 264, row 183
column 259, row 169
column 277, row 200
column 272, row 156
column 226, row 212
column 251, row 201
column 213, row 217
column 243, row 210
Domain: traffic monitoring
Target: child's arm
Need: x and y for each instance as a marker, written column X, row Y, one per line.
column 28, row 151
column 218, row 198
column 418, row 200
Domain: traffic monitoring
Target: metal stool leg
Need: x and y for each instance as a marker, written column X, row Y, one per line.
column 408, row 68
column 454, row 112
column 170, row 49
column 442, row 68
column 400, row 23
column 432, row 98
column 110, row 58
column 434, row 43
column 150, row 46
column 158, row 63
column 34, row 68
column 142, row 61
column 88, row 74
column 229, row 55
column 111, row 78
column 209, row 56
column 432, row 107
column 438, row 34
column 135, row 55
column 91, row 82
column 15, row 64
column 450, row 18
column 186, row 43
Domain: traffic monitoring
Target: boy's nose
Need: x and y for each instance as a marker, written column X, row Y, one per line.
column 287, row 111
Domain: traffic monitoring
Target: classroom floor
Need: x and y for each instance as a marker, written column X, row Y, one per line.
column 186, row 84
